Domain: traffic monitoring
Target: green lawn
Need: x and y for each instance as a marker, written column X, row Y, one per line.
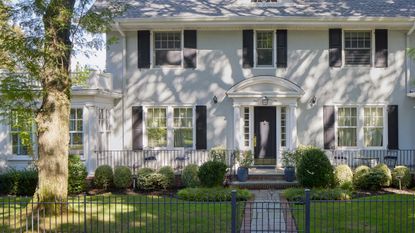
column 395, row 214
column 133, row 213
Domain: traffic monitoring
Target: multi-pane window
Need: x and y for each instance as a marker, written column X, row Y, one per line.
column 347, row 126
column 283, row 127
column 264, row 48
column 246, row 127
column 21, row 133
column 167, row 48
column 103, row 128
column 76, row 132
column 183, row 127
column 373, row 126
column 156, row 127
column 357, row 47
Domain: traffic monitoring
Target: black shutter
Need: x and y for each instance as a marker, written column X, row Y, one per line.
column 381, row 48
column 335, row 47
column 143, row 38
column 190, row 48
column 328, row 121
column 201, row 140
column 393, row 127
column 282, row 48
column 137, row 127
column 248, row 48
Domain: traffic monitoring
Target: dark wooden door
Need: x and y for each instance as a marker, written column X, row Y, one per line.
column 265, row 135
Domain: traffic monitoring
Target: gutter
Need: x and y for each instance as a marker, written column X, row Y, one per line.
column 407, row 59
column 123, row 73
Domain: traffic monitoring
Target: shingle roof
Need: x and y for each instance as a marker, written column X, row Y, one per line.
column 295, row 8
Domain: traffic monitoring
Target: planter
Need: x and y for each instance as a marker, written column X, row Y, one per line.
column 289, row 174
column 242, row 174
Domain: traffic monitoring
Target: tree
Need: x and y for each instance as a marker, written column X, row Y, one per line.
column 37, row 37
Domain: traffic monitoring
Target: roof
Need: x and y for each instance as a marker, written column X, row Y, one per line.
column 285, row 8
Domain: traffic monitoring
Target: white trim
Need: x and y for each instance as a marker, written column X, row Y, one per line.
column 274, row 50
column 153, row 54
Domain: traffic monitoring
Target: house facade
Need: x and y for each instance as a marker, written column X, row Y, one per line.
column 264, row 76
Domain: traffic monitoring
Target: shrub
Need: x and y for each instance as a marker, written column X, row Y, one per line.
column 168, row 172
column 358, row 175
column 213, row 194
column 152, row 181
column 314, row 169
column 189, row 176
column 343, row 174
column 386, row 171
column 373, row 180
column 14, row 182
column 103, row 177
column 218, row 153
column 145, row 171
column 212, row 173
column 77, row 174
column 298, row 194
column 122, row 177
column 404, row 173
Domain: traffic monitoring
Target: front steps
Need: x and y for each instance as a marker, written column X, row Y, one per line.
column 264, row 178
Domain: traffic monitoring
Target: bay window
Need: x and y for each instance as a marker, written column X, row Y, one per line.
column 76, row 132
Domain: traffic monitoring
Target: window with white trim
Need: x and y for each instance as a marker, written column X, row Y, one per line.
column 168, row 48
column 265, row 48
column 373, row 125
column 357, row 47
column 21, row 134
column 76, row 132
column 183, row 127
column 283, row 126
column 246, row 126
column 156, row 127
column 347, row 127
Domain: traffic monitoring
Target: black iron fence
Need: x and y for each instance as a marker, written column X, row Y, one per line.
column 135, row 213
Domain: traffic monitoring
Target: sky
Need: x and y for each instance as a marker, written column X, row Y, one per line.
column 96, row 59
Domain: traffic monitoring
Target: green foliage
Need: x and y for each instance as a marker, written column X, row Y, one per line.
column 152, row 181
column 245, row 158
column 383, row 168
column 212, row 173
column 358, row 175
column 218, row 153
column 14, row 182
column 80, row 75
column 213, row 194
column 314, row 169
column 291, row 158
column 189, row 176
column 168, row 172
column 122, row 177
column 373, row 180
column 298, row 194
column 343, row 174
column 77, row 174
column 145, row 171
column 405, row 177
column 103, row 177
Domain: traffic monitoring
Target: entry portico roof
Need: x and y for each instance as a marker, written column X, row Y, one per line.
column 269, row 86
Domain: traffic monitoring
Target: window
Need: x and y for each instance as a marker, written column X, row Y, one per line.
column 246, row 127
column 183, row 127
column 156, row 127
column 76, row 132
column 167, row 48
column 283, row 127
column 357, row 47
column 264, row 48
column 21, row 133
column 103, row 128
column 373, row 127
column 347, row 126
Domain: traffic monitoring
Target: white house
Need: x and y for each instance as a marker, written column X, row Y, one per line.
column 264, row 76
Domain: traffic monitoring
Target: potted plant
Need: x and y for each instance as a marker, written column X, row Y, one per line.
column 289, row 161
column 245, row 160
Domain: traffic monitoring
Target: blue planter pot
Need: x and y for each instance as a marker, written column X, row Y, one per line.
column 242, row 174
column 289, row 174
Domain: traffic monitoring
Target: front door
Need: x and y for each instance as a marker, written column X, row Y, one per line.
column 265, row 135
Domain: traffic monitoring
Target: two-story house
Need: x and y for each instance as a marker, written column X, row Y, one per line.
column 264, row 76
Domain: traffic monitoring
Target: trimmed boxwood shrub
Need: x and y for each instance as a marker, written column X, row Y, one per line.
column 383, row 168
column 314, row 169
column 122, row 177
column 358, row 175
column 373, row 180
column 103, row 177
column 189, row 176
column 168, row 172
column 213, row 194
column 212, row 174
column 405, row 175
column 298, row 194
column 343, row 175
column 77, row 174
column 152, row 181
column 14, row 182
column 145, row 171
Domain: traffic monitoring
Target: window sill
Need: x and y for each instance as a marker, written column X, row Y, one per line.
column 19, row 158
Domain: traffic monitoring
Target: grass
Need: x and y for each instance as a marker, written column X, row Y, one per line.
column 385, row 213
column 133, row 213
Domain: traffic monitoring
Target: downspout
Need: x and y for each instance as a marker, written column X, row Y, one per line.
column 407, row 60
column 123, row 73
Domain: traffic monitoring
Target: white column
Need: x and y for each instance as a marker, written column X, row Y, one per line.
column 90, row 137
column 292, row 127
column 237, row 126
column 278, row 133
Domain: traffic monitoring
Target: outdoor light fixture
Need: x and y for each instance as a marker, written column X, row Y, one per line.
column 313, row 101
column 264, row 100
column 215, row 99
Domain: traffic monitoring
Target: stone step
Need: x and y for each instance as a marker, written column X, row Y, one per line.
column 270, row 177
column 264, row 184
